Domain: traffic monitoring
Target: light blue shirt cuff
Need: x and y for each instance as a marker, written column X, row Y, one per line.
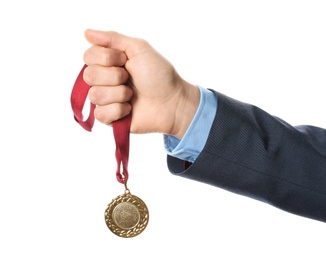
column 194, row 140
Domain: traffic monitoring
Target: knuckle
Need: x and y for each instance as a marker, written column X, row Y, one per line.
column 94, row 95
column 113, row 112
column 86, row 56
column 119, row 76
column 141, row 44
column 100, row 115
column 117, row 111
column 126, row 93
column 88, row 75
column 121, row 110
column 107, row 60
column 110, row 57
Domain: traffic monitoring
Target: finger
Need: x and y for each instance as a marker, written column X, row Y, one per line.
column 96, row 75
column 104, row 95
column 109, row 113
column 116, row 41
column 104, row 56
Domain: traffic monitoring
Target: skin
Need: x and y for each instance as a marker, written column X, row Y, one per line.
column 128, row 74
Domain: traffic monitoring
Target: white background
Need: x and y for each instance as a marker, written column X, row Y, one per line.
column 56, row 179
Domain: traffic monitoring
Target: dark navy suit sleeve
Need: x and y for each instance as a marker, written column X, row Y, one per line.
column 252, row 153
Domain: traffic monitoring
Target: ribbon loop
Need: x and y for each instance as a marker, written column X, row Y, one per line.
column 121, row 128
column 78, row 97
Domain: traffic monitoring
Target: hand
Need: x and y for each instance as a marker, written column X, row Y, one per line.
column 128, row 74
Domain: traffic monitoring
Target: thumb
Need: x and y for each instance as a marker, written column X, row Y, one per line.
column 114, row 40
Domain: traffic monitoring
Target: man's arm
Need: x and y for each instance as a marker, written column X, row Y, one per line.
column 252, row 153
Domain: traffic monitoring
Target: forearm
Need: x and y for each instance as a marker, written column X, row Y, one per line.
column 252, row 153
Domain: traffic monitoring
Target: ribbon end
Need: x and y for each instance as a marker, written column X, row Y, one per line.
column 86, row 125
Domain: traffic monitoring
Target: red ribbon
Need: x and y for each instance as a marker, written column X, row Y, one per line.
column 121, row 128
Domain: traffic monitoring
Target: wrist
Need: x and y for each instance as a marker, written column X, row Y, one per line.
column 186, row 109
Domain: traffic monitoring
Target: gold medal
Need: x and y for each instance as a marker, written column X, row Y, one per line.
column 127, row 215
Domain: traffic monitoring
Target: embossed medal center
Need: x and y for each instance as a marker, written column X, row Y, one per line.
column 126, row 215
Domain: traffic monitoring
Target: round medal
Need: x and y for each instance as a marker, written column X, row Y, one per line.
column 127, row 215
